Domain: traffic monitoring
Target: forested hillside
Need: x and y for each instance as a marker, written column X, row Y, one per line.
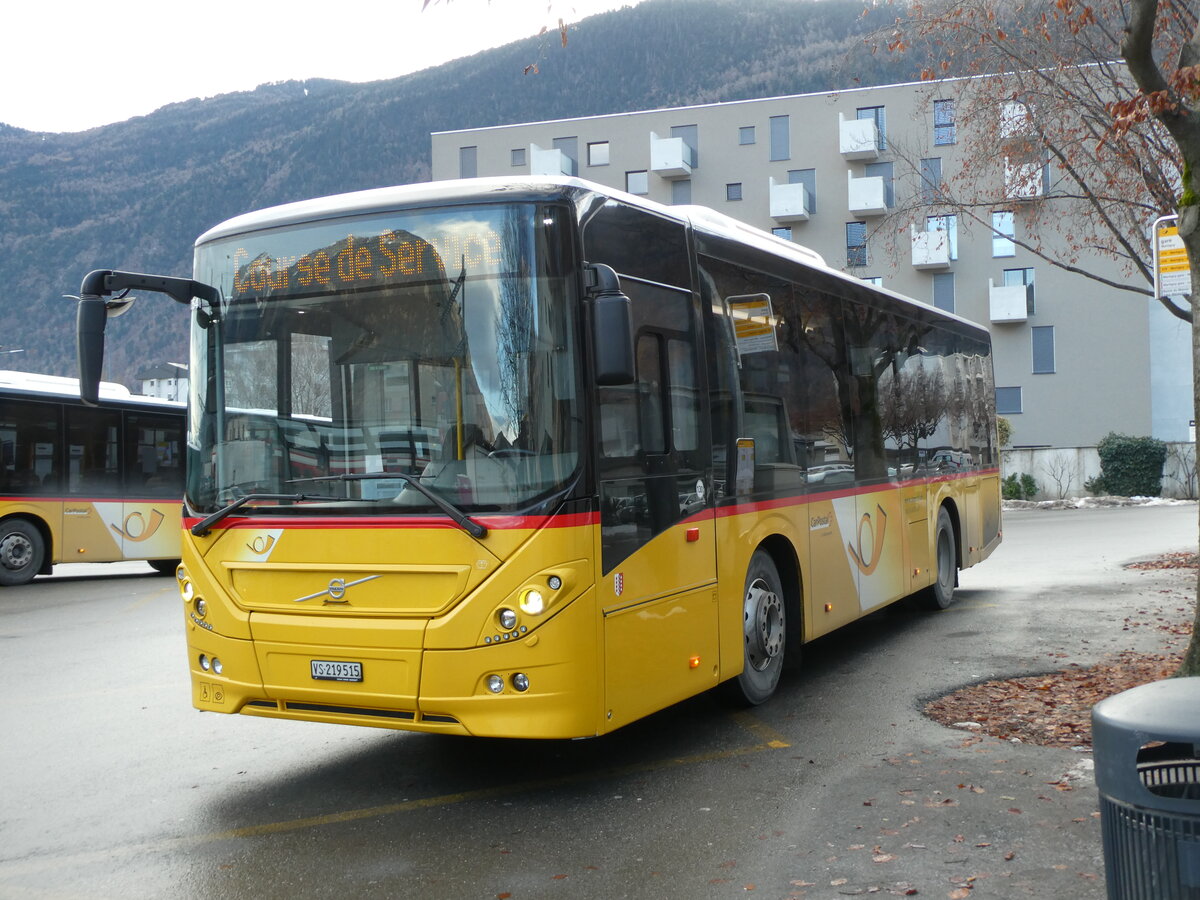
column 134, row 195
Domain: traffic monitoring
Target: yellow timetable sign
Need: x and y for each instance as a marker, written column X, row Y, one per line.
column 1173, row 272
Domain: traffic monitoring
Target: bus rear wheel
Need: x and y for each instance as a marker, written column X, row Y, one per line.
column 21, row 552
column 940, row 594
column 764, row 632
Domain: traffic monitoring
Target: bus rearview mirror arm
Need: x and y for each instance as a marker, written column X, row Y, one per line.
column 612, row 326
column 97, row 305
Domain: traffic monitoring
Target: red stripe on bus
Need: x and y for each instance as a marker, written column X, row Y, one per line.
column 494, row 523
column 738, row 509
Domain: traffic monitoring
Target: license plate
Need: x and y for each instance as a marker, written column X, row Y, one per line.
column 327, row 670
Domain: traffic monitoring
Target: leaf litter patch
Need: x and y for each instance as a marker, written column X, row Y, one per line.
column 1055, row 709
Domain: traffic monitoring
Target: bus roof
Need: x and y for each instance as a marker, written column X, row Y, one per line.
column 61, row 386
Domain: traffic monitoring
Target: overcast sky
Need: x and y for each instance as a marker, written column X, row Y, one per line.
column 69, row 65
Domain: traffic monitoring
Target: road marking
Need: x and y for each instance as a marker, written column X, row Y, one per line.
column 34, row 865
column 761, row 730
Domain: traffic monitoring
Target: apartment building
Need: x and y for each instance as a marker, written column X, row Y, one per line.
column 848, row 174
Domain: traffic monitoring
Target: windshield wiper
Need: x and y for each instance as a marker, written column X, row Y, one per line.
column 204, row 526
column 460, row 518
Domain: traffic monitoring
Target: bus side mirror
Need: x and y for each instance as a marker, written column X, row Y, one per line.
column 90, row 318
column 95, row 310
column 612, row 327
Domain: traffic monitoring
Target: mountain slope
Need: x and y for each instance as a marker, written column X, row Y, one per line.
column 134, row 195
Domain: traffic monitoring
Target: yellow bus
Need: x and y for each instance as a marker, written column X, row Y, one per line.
column 533, row 458
column 86, row 485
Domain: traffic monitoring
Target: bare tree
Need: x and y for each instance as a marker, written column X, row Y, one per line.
column 1037, row 91
column 1169, row 95
column 1063, row 471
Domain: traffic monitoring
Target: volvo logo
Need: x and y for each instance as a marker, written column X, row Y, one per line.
column 336, row 591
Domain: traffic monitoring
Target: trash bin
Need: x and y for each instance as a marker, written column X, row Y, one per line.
column 1147, row 751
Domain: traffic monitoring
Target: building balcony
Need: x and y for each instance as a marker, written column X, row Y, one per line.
column 1008, row 303
column 670, row 158
column 1023, row 181
column 867, row 196
column 857, row 138
column 548, row 162
column 789, row 203
column 930, row 249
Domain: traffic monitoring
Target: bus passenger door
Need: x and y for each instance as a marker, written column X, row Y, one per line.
column 92, row 507
column 153, row 461
column 657, row 589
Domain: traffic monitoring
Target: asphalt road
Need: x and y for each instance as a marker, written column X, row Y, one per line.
column 112, row 786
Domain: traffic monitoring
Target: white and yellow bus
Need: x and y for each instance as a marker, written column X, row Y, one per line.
column 533, row 458
column 79, row 484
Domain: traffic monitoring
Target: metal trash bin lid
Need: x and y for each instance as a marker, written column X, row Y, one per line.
column 1166, row 711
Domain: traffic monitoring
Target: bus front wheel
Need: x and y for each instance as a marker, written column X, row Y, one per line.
column 940, row 594
column 764, row 632
column 21, row 552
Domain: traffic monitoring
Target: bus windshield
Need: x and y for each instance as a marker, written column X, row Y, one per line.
column 349, row 357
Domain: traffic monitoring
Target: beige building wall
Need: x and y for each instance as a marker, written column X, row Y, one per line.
column 1099, row 364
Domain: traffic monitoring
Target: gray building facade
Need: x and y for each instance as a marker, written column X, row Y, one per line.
column 847, row 174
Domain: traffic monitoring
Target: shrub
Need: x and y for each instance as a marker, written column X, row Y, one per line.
column 1131, row 466
column 1019, row 487
column 1004, row 431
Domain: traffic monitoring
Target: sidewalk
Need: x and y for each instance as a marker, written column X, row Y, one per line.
column 956, row 813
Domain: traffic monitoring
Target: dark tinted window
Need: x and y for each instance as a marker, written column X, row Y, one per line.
column 637, row 243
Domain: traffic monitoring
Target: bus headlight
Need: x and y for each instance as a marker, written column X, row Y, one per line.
column 532, row 602
column 507, row 619
column 201, row 607
column 186, row 591
column 495, row 684
column 521, row 682
column 205, row 663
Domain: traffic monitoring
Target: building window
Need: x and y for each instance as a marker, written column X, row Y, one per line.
column 637, row 182
column 883, row 170
column 681, row 192
column 1018, row 277
column 1015, row 119
column 783, row 231
column 876, row 280
column 944, row 131
column 808, row 178
column 1043, row 349
column 746, row 135
column 468, row 166
column 517, row 156
column 691, row 142
column 856, row 244
column 733, row 191
column 781, row 138
column 569, row 146
column 597, row 153
column 876, row 115
column 948, row 224
column 943, row 291
column 1008, row 401
column 1003, row 233
column 931, row 179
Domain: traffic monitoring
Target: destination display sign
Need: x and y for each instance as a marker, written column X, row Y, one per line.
column 354, row 262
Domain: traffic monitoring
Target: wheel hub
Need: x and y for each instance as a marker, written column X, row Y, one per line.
column 764, row 625
column 15, row 551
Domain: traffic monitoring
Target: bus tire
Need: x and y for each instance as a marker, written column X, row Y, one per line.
column 21, row 551
column 164, row 566
column 940, row 594
column 764, row 632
